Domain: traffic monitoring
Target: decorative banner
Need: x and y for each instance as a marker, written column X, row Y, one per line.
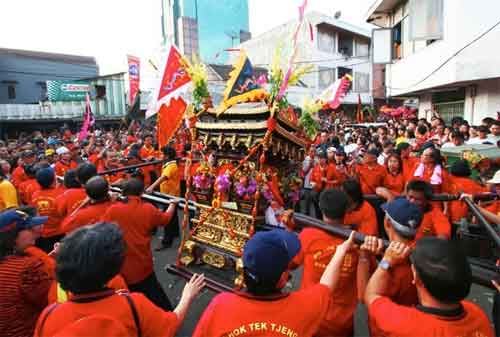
column 169, row 120
column 134, row 77
column 88, row 120
column 174, row 82
column 334, row 95
column 242, row 85
column 293, row 55
column 67, row 90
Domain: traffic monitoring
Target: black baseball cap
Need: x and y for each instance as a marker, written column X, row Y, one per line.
column 443, row 268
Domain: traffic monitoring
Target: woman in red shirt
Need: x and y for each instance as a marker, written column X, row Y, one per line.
column 394, row 180
column 430, row 169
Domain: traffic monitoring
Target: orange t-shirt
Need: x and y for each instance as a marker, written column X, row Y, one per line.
column 409, row 165
column 401, row 321
column 457, row 185
column 401, row 290
column 317, row 249
column 67, row 202
column 395, row 183
column 60, row 168
column 296, row 314
column 86, row 215
column 317, row 175
column 154, row 321
column 18, row 176
column 371, row 177
column 147, row 152
column 45, row 201
column 434, row 223
column 365, row 218
column 136, row 219
column 333, row 177
column 26, row 190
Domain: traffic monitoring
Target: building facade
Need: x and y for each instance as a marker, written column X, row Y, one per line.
column 23, row 73
column 205, row 27
column 336, row 48
column 443, row 53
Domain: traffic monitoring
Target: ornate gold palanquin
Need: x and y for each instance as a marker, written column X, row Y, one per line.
column 219, row 234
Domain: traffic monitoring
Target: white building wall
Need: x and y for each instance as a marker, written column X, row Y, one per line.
column 463, row 21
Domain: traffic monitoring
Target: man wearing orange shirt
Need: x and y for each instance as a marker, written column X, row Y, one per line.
column 409, row 162
column 459, row 182
column 45, row 201
column 73, row 197
column 92, row 208
column 111, row 161
column 65, row 163
column 264, row 309
column 138, row 219
column 370, row 174
column 434, row 222
column 28, row 186
column 317, row 248
column 18, row 176
column 443, row 279
column 359, row 211
column 318, row 180
column 402, row 219
column 148, row 152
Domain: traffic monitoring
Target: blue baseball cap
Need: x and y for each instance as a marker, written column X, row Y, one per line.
column 404, row 216
column 267, row 254
column 16, row 219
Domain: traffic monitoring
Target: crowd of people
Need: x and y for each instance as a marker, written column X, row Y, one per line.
column 76, row 257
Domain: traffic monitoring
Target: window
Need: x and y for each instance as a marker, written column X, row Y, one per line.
column 11, row 91
column 362, row 48
column 361, row 82
column 100, row 91
column 343, row 71
column 346, row 44
column 426, row 19
column 326, row 40
column 397, row 39
column 326, row 77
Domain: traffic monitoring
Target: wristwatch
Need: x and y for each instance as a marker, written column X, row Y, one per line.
column 384, row 264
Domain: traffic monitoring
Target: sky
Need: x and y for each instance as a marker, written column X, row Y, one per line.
column 111, row 29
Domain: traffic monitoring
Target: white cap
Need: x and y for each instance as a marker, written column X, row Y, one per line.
column 331, row 149
column 62, row 150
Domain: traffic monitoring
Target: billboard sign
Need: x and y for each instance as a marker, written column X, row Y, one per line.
column 67, row 90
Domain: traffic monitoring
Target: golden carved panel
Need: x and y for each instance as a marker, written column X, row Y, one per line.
column 213, row 259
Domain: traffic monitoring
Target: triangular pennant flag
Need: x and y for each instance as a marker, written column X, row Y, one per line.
column 242, row 85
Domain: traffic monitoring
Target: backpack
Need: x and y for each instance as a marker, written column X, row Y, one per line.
column 95, row 324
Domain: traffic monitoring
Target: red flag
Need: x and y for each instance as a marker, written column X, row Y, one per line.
column 174, row 81
column 359, row 111
column 134, row 76
column 169, row 119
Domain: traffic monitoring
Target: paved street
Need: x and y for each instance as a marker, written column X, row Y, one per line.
column 174, row 285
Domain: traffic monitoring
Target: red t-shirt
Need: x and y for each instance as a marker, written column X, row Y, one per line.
column 409, row 167
column 23, row 294
column 87, row 215
column 18, row 176
column 457, row 185
column 317, row 249
column 45, row 201
column 136, row 219
column 154, row 321
column 26, row 190
column 67, row 202
column 434, row 223
column 371, row 177
column 401, row 321
column 60, row 168
column 147, row 152
column 297, row 314
column 365, row 217
column 401, row 290
column 317, row 175
column 333, row 177
column 395, row 183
